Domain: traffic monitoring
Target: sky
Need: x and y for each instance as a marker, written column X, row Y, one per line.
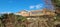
column 18, row 5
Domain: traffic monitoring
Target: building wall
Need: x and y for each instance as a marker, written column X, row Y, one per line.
column 24, row 13
column 37, row 13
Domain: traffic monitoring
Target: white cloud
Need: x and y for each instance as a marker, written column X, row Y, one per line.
column 38, row 6
column 31, row 7
column 5, row 12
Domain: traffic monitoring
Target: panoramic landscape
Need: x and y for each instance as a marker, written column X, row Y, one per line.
column 29, row 13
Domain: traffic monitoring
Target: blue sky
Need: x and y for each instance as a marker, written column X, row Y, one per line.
column 18, row 5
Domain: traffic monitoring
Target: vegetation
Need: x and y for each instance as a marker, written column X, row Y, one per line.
column 57, row 18
column 21, row 18
column 12, row 18
column 56, row 4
